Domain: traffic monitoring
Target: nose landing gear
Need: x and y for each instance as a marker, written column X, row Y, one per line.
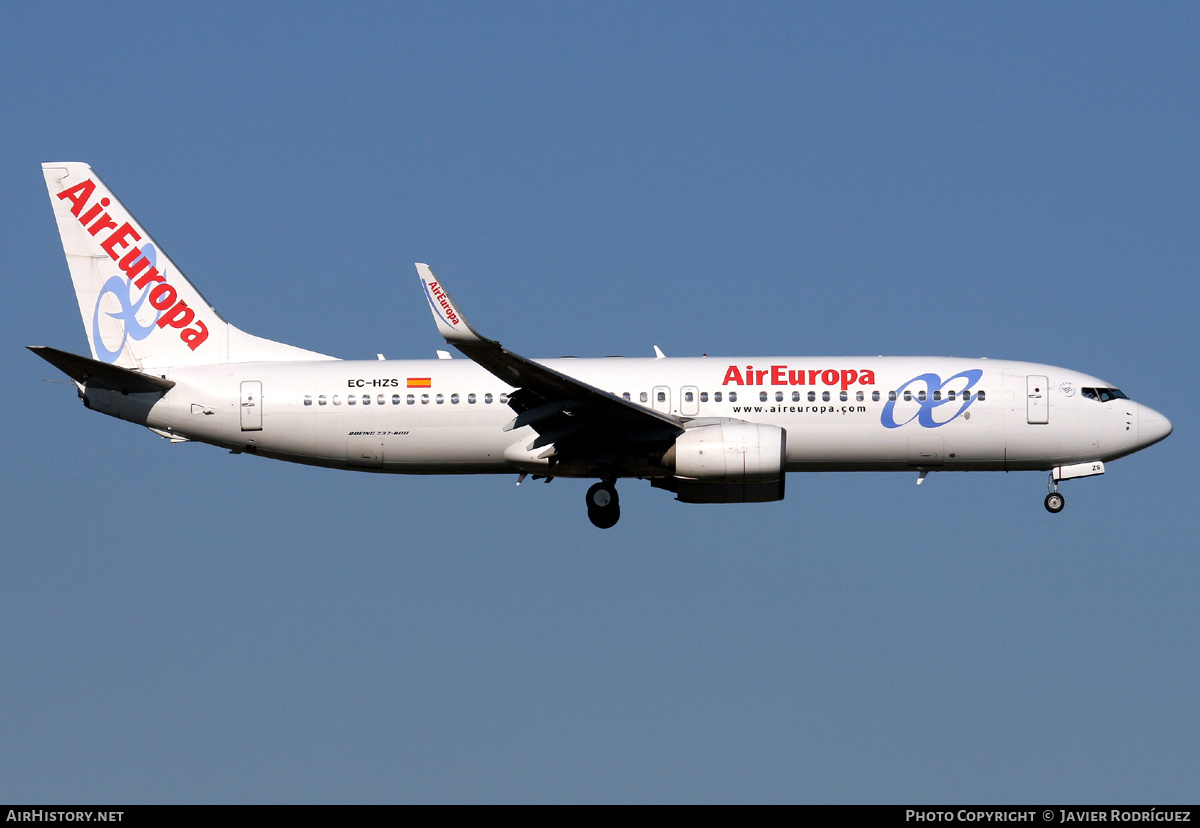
column 603, row 505
column 1054, row 501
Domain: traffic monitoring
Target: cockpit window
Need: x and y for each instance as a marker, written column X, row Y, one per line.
column 1103, row 394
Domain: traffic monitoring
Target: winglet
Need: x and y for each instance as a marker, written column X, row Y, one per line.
column 450, row 320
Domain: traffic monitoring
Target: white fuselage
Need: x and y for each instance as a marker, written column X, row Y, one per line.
column 449, row 416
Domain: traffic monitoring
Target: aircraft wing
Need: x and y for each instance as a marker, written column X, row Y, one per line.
column 577, row 418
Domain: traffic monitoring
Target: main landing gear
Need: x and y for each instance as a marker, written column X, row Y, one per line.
column 603, row 505
column 1054, row 501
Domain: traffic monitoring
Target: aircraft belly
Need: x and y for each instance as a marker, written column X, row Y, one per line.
column 961, row 444
column 975, row 443
column 430, row 447
column 383, row 439
column 838, row 443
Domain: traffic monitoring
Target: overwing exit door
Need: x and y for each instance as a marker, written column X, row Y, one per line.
column 662, row 399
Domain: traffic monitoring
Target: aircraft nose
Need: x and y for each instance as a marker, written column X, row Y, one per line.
column 1152, row 426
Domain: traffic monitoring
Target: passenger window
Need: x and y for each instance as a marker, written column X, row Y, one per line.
column 703, row 396
column 824, row 396
column 351, row 399
column 762, row 396
column 644, row 397
column 308, row 399
column 845, row 395
column 908, row 396
column 321, row 400
column 366, row 399
column 733, row 396
column 981, row 396
column 859, row 397
column 487, row 399
column 662, row 396
column 410, row 399
column 950, row 396
column 892, row 396
column 795, row 396
column 380, row 399
column 689, row 396
column 716, row 396
column 966, row 395
column 504, row 399
column 395, row 399
column 626, row 396
column 424, row 399
column 874, row 396
column 337, row 400
column 812, row 396
column 440, row 399
column 471, row 399
column 454, row 399
column 778, row 396
column 937, row 395
column 921, row 396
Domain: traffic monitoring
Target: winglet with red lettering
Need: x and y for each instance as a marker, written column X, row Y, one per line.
column 450, row 320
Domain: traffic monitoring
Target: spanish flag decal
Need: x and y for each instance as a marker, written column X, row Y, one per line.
column 419, row 382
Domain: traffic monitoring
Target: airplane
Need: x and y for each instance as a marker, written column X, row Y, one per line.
column 709, row 430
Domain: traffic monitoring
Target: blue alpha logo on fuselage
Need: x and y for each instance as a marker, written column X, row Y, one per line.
column 933, row 400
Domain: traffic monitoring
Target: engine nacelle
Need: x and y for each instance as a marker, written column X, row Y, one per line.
column 746, row 452
column 728, row 463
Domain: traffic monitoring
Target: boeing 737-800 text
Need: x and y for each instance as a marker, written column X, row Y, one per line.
column 710, row 430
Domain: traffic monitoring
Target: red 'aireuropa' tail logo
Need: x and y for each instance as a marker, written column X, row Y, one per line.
column 163, row 297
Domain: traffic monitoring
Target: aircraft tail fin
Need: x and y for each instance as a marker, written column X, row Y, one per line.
column 138, row 309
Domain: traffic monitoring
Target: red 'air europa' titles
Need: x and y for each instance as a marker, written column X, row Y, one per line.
column 163, row 297
column 783, row 375
column 440, row 295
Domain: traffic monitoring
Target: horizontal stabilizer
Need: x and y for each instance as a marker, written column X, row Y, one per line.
column 96, row 374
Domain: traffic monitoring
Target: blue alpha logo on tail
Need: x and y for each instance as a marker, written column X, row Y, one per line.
column 139, row 264
column 122, row 290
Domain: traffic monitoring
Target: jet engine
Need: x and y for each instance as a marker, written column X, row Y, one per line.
column 728, row 462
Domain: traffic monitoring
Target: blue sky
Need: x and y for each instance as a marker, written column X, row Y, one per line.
column 1011, row 180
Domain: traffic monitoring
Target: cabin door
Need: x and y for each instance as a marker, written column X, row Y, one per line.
column 251, row 406
column 1037, row 400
